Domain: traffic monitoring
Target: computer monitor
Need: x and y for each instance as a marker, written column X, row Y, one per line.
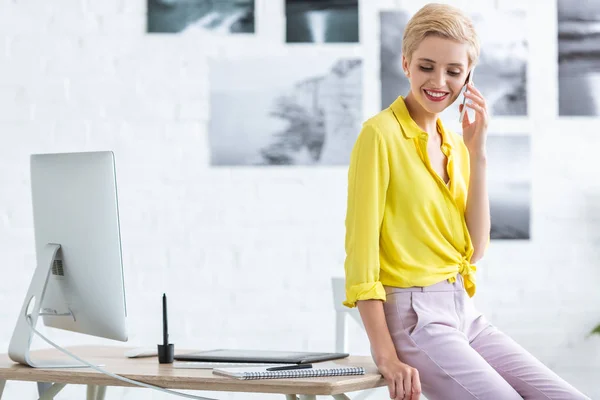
column 78, row 282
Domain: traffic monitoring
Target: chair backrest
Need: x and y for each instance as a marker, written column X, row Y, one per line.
column 341, row 330
column 341, row 312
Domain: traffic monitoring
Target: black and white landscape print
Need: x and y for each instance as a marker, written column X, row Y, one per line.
column 219, row 16
column 321, row 21
column 579, row 57
column 292, row 110
column 500, row 75
column 509, row 185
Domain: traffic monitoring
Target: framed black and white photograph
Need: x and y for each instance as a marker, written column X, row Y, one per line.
column 321, row 21
column 292, row 110
column 218, row 16
column 509, row 185
column 500, row 74
column 578, row 57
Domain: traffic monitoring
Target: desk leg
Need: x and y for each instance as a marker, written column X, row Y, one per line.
column 43, row 386
column 2, row 383
column 362, row 395
column 52, row 391
column 308, row 397
column 100, row 393
column 91, row 392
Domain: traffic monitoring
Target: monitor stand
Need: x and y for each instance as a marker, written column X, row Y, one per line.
column 20, row 342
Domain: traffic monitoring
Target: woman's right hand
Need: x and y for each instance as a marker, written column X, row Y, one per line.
column 402, row 379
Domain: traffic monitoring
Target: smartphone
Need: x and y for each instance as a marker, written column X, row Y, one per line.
column 464, row 109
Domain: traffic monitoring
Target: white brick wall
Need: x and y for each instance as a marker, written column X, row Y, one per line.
column 246, row 255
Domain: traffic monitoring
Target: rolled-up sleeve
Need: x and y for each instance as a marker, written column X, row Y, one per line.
column 368, row 179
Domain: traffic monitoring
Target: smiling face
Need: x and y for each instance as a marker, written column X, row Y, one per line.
column 437, row 72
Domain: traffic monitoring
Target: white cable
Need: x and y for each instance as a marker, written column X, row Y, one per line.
column 121, row 378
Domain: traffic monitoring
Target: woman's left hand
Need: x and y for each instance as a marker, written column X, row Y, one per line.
column 474, row 132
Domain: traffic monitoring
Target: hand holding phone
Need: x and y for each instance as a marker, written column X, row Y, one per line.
column 464, row 108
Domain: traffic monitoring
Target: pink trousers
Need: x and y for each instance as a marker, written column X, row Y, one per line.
column 459, row 354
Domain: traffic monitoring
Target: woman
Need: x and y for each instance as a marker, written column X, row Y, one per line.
column 418, row 219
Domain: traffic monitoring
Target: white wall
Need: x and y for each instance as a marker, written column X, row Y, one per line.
column 246, row 255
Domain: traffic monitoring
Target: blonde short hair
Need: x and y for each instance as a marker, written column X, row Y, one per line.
column 441, row 20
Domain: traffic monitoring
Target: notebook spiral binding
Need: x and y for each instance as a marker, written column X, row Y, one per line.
column 304, row 373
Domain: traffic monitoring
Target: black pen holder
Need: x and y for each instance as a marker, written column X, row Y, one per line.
column 166, row 353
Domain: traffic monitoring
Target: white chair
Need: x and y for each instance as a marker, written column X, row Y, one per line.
column 341, row 327
column 341, row 324
column 341, row 314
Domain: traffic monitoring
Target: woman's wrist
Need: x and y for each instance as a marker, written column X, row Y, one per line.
column 478, row 156
column 385, row 357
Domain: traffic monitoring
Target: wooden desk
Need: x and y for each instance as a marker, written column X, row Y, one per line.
column 148, row 370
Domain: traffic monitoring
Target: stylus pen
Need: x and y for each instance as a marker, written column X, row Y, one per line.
column 288, row 367
column 165, row 324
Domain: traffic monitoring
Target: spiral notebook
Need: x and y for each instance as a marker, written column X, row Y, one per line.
column 318, row 370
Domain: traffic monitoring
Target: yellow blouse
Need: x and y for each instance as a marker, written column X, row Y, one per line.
column 404, row 226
